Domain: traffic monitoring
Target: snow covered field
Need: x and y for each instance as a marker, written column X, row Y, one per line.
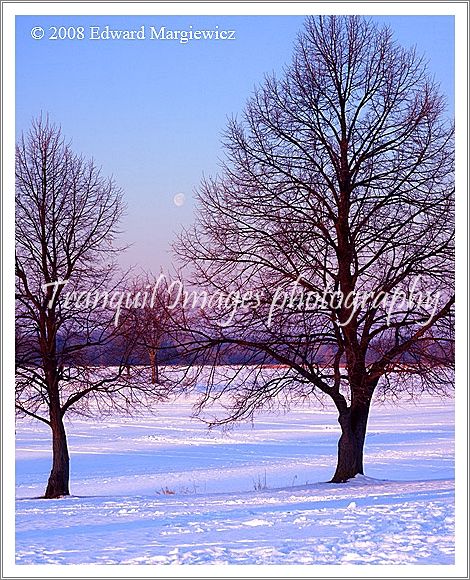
column 162, row 490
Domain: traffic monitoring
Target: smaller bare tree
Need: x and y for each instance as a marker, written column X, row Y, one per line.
column 150, row 318
column 70, row 354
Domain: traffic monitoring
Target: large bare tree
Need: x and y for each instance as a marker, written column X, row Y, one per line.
column 69, row 354
column 337, row 184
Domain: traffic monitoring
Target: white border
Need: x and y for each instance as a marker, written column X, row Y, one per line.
column 234, row 8
column 12, row 9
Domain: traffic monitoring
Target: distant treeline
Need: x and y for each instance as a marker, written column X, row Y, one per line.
column 171, row 353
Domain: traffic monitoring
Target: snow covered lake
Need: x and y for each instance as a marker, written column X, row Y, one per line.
column 162, row 489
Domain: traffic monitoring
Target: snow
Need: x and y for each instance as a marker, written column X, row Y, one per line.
column 162, row 489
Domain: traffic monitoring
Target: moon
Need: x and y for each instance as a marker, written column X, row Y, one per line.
column 179, row 199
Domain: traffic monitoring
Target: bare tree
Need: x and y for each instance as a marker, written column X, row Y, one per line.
column 337, row 184
column 153, row 317
column 69, row 352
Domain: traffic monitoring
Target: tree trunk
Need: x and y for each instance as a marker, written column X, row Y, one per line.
column 154, row 365
column 157, row 378
column 353, row 423
column 58, row 484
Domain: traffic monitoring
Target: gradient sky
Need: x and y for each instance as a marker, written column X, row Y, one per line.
column 152, row 112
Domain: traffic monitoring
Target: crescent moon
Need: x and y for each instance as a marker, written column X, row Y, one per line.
column 179, row 199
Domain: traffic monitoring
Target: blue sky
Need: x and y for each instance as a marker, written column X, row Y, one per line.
column 152, row 112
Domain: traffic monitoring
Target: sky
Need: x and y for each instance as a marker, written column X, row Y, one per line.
column 152, row 113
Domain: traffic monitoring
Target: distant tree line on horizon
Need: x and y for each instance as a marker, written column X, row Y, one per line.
column 169, row 352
